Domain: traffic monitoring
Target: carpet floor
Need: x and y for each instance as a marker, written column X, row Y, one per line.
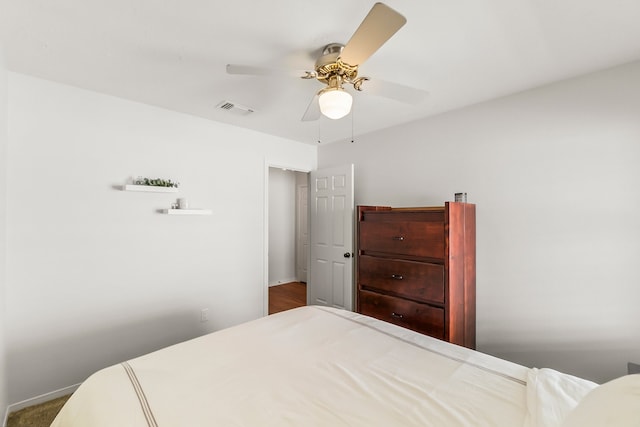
column 41, row 415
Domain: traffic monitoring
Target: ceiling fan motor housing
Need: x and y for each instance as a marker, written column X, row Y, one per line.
column 329, row 65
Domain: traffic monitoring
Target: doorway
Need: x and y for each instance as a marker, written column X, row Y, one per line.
column 288, row 241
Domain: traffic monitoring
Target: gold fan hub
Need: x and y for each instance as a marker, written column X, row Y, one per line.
column 329, row 65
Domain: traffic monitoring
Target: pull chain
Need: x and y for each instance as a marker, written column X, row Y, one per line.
column 352, row 114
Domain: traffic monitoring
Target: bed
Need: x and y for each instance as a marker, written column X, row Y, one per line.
column 319, row 366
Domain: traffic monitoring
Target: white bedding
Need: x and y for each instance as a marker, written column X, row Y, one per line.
column 317, row 366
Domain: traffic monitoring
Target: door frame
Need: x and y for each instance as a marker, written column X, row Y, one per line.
column 265, row 242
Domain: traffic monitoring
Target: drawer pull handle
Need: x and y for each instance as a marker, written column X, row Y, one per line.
column 398, row 238
column 397, row 315
column 397, row 276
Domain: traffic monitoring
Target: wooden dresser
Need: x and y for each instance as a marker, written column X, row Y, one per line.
column 416, row 267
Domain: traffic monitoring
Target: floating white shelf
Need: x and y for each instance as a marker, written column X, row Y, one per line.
column 149, row 188
column 187, row 211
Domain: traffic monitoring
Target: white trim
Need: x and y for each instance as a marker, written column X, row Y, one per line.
column 38, row 399
column 268, row 163
column 265, row 240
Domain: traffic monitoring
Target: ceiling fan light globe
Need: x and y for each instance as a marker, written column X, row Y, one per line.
column 335, row 103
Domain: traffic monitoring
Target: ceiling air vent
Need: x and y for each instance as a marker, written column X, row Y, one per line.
column 232, row 107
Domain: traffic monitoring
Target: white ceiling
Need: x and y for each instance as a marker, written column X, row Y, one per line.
column 172, row 53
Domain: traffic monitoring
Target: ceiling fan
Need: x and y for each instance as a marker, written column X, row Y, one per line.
column 338, row 65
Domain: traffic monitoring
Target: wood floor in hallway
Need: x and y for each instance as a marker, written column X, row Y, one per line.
column 287, row 296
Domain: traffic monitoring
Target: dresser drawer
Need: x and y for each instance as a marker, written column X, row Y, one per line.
column 415, row 280
column 407, row 238
column 412, row 315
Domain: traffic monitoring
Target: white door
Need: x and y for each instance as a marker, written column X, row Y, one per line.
column 331, row 252
column 302, row 233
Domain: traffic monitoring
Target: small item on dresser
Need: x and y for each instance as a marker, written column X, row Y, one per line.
column 183, row 203
column 461, row 197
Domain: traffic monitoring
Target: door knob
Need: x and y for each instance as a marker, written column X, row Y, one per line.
column 347, row 254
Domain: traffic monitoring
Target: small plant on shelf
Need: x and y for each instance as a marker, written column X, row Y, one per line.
column 157, row 182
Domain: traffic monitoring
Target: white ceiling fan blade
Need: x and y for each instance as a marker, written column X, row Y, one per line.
column 402, row 93
column 313, row 110
column 378, row 26
column 250, row 70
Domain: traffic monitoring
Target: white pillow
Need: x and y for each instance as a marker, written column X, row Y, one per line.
column 613, row 404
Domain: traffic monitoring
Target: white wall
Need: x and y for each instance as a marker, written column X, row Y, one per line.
column 282, row 209
column 3, row 223
column 555, row 174
column 95, row 275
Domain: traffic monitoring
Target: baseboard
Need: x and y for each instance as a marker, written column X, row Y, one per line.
column 37, row 400
column 282, row 282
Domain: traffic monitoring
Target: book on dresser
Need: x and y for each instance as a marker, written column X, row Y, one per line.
column 416, row 267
